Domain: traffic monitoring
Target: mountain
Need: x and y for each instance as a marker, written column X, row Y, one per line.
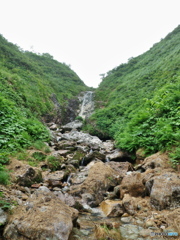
column 137, row 103
column 33, row 87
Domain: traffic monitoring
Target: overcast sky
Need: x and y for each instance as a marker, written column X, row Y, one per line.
column 93, row 36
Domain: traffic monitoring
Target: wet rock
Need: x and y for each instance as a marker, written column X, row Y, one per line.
column 44, row 216
column 112, row 208
column 85, row 138
column 66, row 198
column 133, row 185
column 130, row 231
column 3, row 217
column 65, row 145
column 126, row 220
column 165, row 191
column 108, row 145
column 118, row 156
column 53, row 127
column 121, row 167
column 129, row 204
column 92, row 156
column 73, row 125
column 54, row 179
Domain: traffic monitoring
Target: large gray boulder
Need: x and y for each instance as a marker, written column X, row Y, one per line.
column 73, row 125
column 84, row 138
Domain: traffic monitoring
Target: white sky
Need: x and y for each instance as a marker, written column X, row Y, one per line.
column 93, row 36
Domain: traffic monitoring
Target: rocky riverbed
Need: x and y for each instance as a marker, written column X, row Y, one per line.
column 95, row 192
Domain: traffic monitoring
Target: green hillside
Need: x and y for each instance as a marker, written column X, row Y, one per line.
column 28, row 82
column 138, row 102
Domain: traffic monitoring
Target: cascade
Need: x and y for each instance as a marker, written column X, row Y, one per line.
column 87, row 106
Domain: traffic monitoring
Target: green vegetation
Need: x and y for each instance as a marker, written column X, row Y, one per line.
column 32, row 86
column 138, row 102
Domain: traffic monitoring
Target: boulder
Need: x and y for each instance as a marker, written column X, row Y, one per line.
column 118, row 156
column 85, row 138
column 54, row 179
column 157, row 160
column 164, row 191
column 112, row 208
column 43, row 216
column 92, row 156
column 24, row 174
column 100, row 179
column 73, row 125
column 132, row 184
column 121, row 167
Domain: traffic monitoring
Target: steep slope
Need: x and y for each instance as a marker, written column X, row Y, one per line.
column 139, row 100
column 32, row 87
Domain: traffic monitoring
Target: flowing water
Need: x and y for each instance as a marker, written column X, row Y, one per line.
column 87, row 106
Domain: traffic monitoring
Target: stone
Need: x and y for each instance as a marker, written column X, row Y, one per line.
column 157, row 160
column 121, row 167
column 92, row 156
column 165, row 191
column 108, row 145
column 53, row 127
column 24, row 174
column 118, row 156
column 129, row 204
column 132, row 184
column 112, row 208
column 126, row 220
column 85, row 138
column 130, row 231
column 54, row 179
column 43, row 216
column 73, row 125
column 3, row 217
column 101, row 178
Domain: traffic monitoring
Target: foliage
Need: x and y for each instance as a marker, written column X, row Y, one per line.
column 39, row 156
column 28, row 82
column 175, row 157
column 79, row 118
column 4, row 176
column 140, row 100
column 17, row 131
column 54, row 163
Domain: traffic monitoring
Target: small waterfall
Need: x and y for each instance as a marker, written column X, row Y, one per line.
column 107, row 159
column 87, row 107
column 82, row 161
column 68, row 179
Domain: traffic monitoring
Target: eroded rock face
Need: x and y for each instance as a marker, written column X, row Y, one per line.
column 43, row 216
